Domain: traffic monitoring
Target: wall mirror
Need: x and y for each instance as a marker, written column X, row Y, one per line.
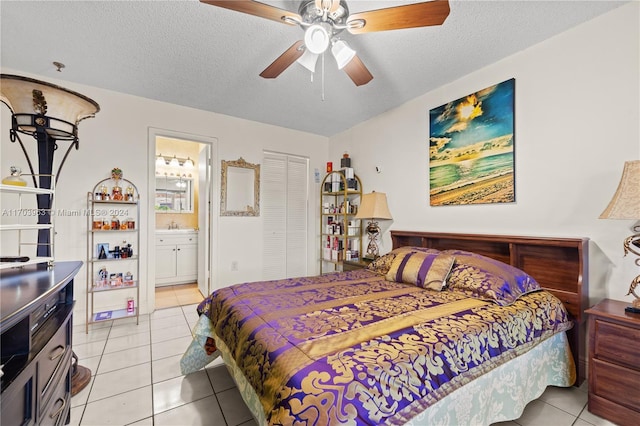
column 240, row 189
column 174, row 194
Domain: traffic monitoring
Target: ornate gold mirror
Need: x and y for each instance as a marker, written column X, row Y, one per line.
column 240, row 189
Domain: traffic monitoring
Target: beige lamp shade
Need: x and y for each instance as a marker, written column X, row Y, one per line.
column 374, row 206
column 625, row 203
column 61, row 109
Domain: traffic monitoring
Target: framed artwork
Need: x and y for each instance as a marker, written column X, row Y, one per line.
column 471, row 148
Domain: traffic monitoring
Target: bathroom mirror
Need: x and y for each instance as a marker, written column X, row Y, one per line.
column 240, row 189
column 174, row 194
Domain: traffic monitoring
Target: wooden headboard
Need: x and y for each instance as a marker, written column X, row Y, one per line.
column 560, row 265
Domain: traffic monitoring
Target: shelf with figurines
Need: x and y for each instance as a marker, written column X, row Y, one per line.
column 113, row 208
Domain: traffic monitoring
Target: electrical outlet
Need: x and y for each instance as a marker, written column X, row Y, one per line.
column 234, row 265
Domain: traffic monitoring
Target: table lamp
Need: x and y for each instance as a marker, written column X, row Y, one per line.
column 625, row 204
column 373, row 207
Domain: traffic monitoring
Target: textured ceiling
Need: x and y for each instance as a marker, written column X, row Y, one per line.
column 200, row 56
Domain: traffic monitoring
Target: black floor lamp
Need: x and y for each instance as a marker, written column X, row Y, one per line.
column 50, row 114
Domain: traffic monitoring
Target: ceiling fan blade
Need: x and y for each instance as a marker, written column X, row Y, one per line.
column 357, row 71
column 422, row 14
column 257, row 9
column 284, row 61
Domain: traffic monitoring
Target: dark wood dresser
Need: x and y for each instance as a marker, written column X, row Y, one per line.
column 614, row 362
column 36, row 311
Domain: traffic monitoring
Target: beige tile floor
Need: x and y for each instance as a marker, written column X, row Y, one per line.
column 136, row 380
column 177, row 295
column 136, row 376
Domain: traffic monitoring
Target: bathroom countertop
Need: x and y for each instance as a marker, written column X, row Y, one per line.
column 177, row 231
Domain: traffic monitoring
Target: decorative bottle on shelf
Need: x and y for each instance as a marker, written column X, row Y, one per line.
column 14, row 178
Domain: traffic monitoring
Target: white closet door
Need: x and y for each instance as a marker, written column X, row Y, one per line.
column 284, row 214
column 297, row 200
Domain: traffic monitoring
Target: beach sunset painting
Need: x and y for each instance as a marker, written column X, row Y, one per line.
column 471, row 148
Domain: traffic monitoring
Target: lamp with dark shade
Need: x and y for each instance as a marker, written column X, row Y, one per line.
column 625, row 204
column 373, row 207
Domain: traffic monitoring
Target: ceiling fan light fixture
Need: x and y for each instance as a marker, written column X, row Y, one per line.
column 308, row 60
column 316, row 39
column 342, row 53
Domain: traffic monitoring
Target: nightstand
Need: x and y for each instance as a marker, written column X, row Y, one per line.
column 614, row 362
column 352, row 265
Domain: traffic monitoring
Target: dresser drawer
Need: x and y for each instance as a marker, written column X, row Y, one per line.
column 56, row 412
column 53, row 361
column 615, row 383
column 617, row 343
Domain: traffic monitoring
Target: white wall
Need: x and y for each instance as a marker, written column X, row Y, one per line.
column 118, row 136
column 577, row 115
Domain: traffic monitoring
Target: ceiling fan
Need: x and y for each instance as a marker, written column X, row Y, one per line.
column 324, row 20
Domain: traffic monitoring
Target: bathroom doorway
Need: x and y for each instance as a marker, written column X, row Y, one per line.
column 181, row 215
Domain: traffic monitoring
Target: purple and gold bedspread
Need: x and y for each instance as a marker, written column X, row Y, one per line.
column 352, row 348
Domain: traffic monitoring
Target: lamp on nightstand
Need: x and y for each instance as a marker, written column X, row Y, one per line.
column 625, row 204
column 373, row 207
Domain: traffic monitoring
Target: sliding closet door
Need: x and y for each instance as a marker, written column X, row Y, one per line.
column 284, row 209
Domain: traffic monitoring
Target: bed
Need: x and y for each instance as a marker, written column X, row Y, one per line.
column 445, row 329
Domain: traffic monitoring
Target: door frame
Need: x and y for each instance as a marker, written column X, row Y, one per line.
column 212, row 141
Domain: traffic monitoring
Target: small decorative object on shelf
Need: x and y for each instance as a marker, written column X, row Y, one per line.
column 116, row 174
column 14, row 178
column 112, row 214
column 345, row 161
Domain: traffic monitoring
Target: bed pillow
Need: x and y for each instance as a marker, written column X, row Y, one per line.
column 424, row 269
column 489, row 279
column 382, row 264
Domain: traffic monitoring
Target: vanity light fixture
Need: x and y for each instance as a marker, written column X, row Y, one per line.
column 175, row 161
